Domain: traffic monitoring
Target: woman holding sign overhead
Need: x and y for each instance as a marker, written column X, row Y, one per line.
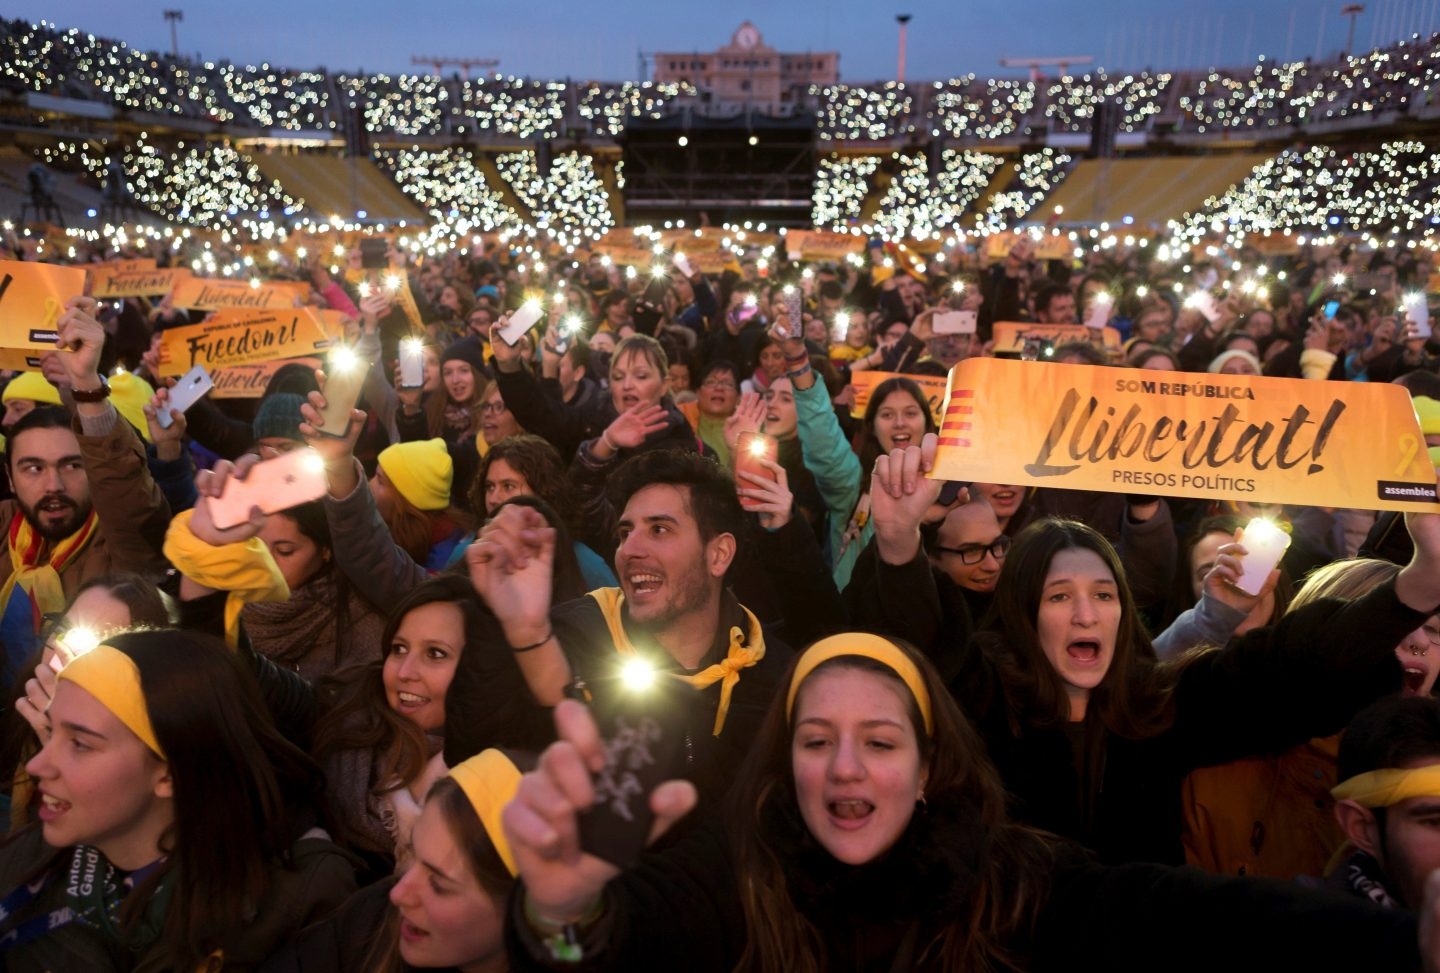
column 1092, row 735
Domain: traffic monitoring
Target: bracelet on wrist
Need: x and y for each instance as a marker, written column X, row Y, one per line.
column 517, row 649
column 605, row 438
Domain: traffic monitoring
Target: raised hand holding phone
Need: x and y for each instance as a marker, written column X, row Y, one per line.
column 562, row 882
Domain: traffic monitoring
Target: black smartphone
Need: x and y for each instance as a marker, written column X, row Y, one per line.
column 643, row 721
column 373, row 253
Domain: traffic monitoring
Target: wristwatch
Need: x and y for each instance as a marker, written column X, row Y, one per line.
column 92, row 395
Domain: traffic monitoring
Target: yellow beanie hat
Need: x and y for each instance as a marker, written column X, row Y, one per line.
column 131, row 394
column 33, row 387
column 489, row 780
column 1428, row 410
column 421, row 471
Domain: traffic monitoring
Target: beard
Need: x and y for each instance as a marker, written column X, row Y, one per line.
column 42, row 516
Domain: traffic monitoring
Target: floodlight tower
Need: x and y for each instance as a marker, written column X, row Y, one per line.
column 902, row 20
column 174, row 17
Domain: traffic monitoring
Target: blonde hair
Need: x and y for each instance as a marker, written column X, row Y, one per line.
column 1345, row 580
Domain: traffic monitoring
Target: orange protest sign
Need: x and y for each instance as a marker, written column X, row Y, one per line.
column 20, row 359
column 239, row 337
column 107, row 281
column 1232, row 437
column 1049, row 246
column 631, row 255
column 250, row 381
column 865, row 382
column 132, row 263
column 1010, row 336
column 822, row 245
column 212, row 294
column 32, row 298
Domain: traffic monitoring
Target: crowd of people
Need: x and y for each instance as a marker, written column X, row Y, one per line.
column 630, row 642
column 1263, row 96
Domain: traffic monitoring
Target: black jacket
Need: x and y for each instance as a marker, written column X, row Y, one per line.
column 680, row 910
column 1267, row 691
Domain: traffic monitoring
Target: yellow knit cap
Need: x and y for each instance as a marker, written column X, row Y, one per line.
column 490, row 780
column 131, row 394
column 1428, row 410
column 112, row 677
column 421, row 471
column 31, row 386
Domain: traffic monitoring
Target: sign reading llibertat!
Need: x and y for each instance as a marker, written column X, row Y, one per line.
column 211, row 294
column 1233, row 437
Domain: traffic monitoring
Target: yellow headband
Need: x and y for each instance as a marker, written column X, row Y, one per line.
column 1384, row 788
column 112, row 677
column 489, row 781
column 865, row 646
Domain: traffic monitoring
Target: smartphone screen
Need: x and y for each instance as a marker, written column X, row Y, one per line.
column 1330, row 308
column 954, row 322
column 373, row 254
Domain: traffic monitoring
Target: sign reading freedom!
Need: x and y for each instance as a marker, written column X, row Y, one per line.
column 234, row 337
column 1231, row 437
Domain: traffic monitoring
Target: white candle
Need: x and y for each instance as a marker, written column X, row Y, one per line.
column 1264, row 545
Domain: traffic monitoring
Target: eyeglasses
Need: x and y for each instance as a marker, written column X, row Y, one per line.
column 711, row 383
column 975, row 553
column 493, row 408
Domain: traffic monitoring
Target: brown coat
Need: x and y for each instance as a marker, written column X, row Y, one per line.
column 133, row 512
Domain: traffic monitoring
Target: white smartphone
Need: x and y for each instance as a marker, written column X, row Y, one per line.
column 1101, row 307
column 1204, row 302
column 682, row 264
column 344, row 378
column 186, row 392
column 1417, row 312
column 276, row 484
column 412, row 363
column 522, row 319
column 954, row 322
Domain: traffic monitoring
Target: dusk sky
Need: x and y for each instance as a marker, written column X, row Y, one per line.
column 603, row 40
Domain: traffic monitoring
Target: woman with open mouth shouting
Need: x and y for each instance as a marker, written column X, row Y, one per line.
column 867, row 831
column 1092, row 734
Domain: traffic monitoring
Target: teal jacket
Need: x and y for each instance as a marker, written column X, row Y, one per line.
column 837, row 475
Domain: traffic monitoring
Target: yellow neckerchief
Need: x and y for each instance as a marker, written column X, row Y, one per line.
column 37, row 576
column 744, row 651
column 245, row 570
column 1385, row 788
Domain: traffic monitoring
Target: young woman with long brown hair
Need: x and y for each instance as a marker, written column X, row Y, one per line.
column 868, row 832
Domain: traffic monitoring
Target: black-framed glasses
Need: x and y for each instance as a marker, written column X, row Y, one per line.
column 975, row 553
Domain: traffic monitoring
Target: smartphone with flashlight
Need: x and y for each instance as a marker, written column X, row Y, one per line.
column 655, row 290
column 1098, row 315
column 1417, row 312
column 412, row 363
column 794, row 310
column 1265, row 544
column 273, row 485
column 752, row 450
column 644, row 717
column 682, row 264
column 186, row 392
column 344, row 378
column 522, row 319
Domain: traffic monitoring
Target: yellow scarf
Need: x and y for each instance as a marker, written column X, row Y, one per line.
column 40, row 578
column 744, row 651
column 245, row 570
